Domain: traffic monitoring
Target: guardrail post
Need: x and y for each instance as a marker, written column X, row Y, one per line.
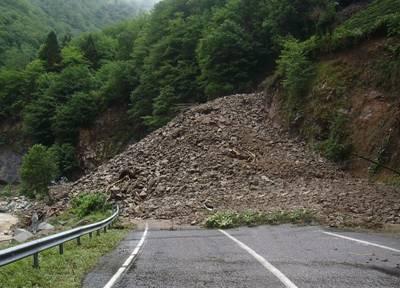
column 90, row 235
column 105, row 229
column 36, row 260
column 61, row 248
column 98, row 232
column 78, row 241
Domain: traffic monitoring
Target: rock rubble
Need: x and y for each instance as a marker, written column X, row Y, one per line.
column 226, row 154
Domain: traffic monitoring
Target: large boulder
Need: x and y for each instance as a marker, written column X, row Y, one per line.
column 22, row 235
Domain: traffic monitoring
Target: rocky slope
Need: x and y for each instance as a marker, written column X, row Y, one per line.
column 227, row 155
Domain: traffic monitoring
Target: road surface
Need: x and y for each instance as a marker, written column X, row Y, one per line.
column 277, row 256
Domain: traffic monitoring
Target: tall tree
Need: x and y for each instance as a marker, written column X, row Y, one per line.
column 50, row 52
column 90, row 51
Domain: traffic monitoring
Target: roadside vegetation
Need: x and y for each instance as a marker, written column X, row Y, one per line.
column 85, row 209
column 229, row 219
column 64, row 271
column 67, row 270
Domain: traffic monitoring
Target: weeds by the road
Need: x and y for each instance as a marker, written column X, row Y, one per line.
column 67, row 270
column 229, row 219
column 56, row 270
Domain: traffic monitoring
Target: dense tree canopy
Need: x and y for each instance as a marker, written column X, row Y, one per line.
column 24, row 24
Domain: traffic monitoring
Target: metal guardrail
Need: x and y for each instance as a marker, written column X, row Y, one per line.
column 33, row 248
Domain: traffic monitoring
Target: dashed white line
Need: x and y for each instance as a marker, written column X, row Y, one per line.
column 361, row 241
column 128, row 262
column 263, row 261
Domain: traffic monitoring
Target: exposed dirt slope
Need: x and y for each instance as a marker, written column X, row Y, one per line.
column 226, row 155
column 357, row 90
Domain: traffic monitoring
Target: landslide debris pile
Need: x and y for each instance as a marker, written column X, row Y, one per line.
column 224, row 155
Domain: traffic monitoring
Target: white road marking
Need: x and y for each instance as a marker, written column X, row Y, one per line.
column 128, row 261
column 263, row 261
column 361, row 241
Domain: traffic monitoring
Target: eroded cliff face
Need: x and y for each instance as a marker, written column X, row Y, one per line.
column 109, row 135
column 358, row 88
column 10, row 162
column 12, row 149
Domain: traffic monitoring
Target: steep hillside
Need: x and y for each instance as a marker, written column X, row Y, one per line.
column 227, row 155
column 346, row 103
column 353, row 97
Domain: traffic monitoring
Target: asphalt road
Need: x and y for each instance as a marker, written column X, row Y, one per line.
column 278, row 256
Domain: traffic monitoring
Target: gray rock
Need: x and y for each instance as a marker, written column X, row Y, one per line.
column 22, row 235
column 35, row 222
column 10, row 163
column 45, row 226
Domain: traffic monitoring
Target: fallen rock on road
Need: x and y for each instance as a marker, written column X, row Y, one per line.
column 226, row 154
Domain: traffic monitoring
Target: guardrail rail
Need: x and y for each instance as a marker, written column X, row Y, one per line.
column 33, row 248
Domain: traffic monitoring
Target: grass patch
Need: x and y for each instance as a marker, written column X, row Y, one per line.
column 381, row 16
column 230, row 219
column 8, row 191
column 393, row 181
column 56, row 270
column 69, row 219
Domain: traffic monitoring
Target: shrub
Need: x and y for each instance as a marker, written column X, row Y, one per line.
column 86, row 204
column 229, row 219
column 38, row 169
column 296, row 69
column 65, row 158
column 335, row 148
column 6, row 191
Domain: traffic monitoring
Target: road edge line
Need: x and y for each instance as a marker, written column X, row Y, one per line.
column 361, row 241
column 128, row 262
column 271, row 268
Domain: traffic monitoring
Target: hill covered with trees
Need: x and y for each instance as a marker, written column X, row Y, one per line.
column 184, row 52
column 25, row 23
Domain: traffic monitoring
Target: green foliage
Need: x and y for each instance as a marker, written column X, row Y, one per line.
column 117, row 79
column 80, row 111
column 297, row 71
column 184, row 52
column 50, row 52
column 72, row 55
column 24, row 24
column 37, row 119
column 65, row 158
column 90, row 51
column 229, row 219
column 386, row 68
column 38, row 169
column 71, row 80
column 6, row 191
column 336, row 147
column 225, row 59
column 163, row 109
column 85, row 204
column 381, row 16
column 66, row 270
column 11, row 97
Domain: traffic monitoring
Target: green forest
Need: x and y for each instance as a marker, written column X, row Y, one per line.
column 24, row 24
column 183, row 52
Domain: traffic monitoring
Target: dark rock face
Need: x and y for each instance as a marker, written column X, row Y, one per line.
column 10, row 163
column 227, row 155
